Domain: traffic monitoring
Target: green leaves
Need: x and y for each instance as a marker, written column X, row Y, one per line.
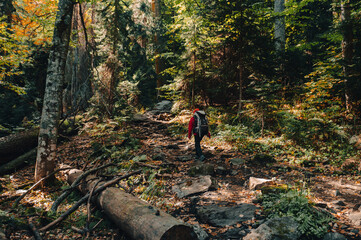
column 312, row 223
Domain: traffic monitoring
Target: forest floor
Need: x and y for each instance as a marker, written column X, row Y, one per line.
column 339, row 195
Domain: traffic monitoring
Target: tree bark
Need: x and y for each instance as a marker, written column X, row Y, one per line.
column 16, row 144
column 347, row 48
column 280, row 34
column 158, row 61
column 240, row 105
column 45, row 161
column 136, row 218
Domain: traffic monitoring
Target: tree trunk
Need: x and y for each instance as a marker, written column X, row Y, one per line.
column 136, row 218
column 347, row 49
column 16, row 144
column 240, row 105
column 45, row 161
column 158, row 61
column 280, row 35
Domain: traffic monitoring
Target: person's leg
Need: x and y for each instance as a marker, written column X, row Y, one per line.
column 197, row 143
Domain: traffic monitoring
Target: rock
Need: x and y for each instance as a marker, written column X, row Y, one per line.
column 184, row 158
column 234, row 233
column 263, row 159
column 237, row 161
column 356, row 141
column 141, row 158
column 160, row 156
column 139, row 117
column 274, row 229
column 254, row 182
column 334, row 236
column 163, row 106
column 193, row 186
column 201, row 234
column 222, row 170
column 201, row 169
column 226, row 216
column 355, row 218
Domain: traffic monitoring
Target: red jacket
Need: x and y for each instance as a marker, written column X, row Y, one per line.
column 191, row 126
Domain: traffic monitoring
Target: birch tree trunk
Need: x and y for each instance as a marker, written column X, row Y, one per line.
column 280, row 34
column 347, row 48
column 45, row 160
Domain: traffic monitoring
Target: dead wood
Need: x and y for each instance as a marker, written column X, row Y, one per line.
column 17, row 144
column 135, row 217
column 73, row 186
column 34, row 231
column 85, row 198
column 36, row 185
column 18, row 162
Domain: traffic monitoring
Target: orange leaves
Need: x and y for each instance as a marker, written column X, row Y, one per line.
column 34, row 20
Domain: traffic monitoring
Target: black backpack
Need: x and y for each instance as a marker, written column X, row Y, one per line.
column 201, row 123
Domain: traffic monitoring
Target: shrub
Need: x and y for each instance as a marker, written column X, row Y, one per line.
column 312, row 223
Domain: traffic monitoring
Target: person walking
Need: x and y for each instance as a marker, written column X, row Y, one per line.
column 198, row 125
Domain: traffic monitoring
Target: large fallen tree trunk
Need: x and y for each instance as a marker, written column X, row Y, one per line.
column 18, row 162
column 138, row 219
column 17, row 144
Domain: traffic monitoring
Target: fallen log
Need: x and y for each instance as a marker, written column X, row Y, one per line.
column 138, row 219
column 18, row 162
column 17, row 144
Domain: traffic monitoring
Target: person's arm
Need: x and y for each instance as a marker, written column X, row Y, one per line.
column 190, row 127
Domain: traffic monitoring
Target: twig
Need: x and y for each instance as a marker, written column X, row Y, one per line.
column 67, row 191
column 85, row 198
column 88, row 206
column 37, row 184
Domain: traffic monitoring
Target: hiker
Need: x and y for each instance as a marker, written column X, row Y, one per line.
column 198, row 125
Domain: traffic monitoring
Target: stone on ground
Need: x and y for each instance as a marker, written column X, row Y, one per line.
column 193, row 186
column 274, row 229
column 334, row 236
column 219, row 216
column 256, row 182
column 201, row 169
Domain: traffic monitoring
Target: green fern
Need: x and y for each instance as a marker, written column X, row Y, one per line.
column 313, row 224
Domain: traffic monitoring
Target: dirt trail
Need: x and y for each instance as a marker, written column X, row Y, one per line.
column 337, row 195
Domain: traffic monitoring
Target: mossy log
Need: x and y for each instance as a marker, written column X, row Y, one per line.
column 18, row 162
column 138, row 219
column 17, row 144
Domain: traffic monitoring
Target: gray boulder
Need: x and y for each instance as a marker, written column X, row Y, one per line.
column 219, row 216
column 201, row 169
column 334, row 236
column 193, row 186
column 285, row 228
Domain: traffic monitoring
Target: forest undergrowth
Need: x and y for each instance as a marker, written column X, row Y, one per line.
column 306, row 156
